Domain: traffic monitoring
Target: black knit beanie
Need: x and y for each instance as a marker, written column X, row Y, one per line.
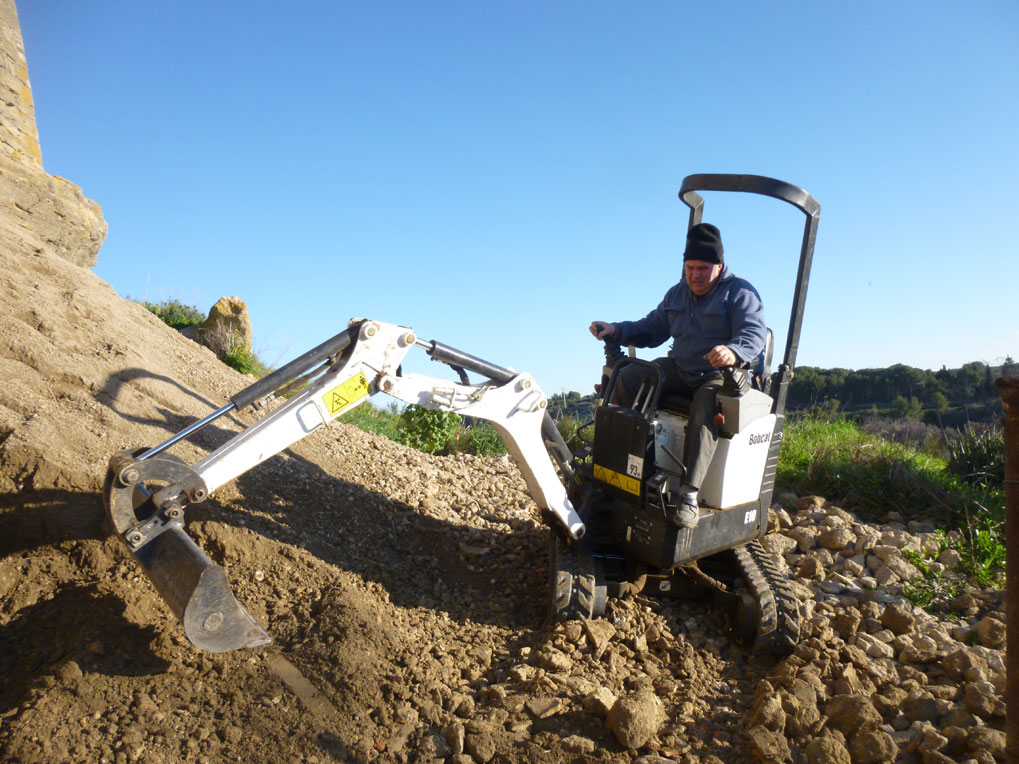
column 704, row 242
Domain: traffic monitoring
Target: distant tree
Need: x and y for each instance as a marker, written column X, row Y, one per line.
column 907, row 408
column 830, row 408
column 1009, row 368
column 937, row 402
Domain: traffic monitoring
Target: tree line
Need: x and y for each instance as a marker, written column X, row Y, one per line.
column 898, row 391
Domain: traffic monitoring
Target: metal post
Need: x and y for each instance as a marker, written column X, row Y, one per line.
column 1009, row 389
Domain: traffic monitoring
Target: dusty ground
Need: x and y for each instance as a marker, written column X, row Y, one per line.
column 401, row 590
column 405, row 594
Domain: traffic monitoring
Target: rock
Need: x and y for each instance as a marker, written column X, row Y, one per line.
column 768, row 712
column 480, row 743
column 433, row 746
column 40, row 212
column 523, row 672
column 599, row 632
column 980, row 698
column 950, row 558
column 455, row 735
column 48, row 213
column 965, row 603
column 903, row 568
column 848, row 683
column 810, row 567
column 990, row 632
column 578, row 744
column 767, row 746
column 804, row 536
column 836, row 539
column 927, row 739
column 69, row 673
column 846, row 623
column 555, row 661
column 986, row 739
column 635, row 718
column 226, row 327
column 799, row 702
column 849, row 713
column 542, row 708
column 827, row 749
column 463, row 706
column 600, row 701
column 898, row 618
column 897, row 539
column 959, row 663
column 921, row 707
column 810, row 502
column 778, row 544
column 872, row 746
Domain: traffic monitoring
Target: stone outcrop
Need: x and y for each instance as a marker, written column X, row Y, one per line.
column 38, row 211
column 226, row 328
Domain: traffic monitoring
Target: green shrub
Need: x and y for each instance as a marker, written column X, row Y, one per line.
column 978, row 456
column 428, row 430
column 570, row 428
column 175, row 313
column 932, row 591
column 241, row 357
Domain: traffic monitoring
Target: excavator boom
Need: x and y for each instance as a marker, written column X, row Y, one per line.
column 147, row 492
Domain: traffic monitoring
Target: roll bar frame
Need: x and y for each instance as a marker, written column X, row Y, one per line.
column 777, row 189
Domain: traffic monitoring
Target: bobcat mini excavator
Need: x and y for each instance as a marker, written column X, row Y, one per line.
column 605, row 505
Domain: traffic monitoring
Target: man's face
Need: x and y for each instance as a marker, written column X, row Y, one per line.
column 701, row 276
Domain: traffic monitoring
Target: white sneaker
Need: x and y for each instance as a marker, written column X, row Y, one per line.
column 688, row 513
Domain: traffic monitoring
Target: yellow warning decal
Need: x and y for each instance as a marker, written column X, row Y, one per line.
column 618, row 479
column 341, row 396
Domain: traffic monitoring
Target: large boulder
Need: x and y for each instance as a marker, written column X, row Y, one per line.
column 38, row 212
column 227, row 327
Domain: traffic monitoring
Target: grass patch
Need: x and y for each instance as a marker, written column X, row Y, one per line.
column 242, row 358
column 838, row 460
column 872, row 476
column 370, row 419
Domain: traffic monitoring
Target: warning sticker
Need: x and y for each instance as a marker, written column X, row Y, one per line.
column 618, row 479
column 341, row 396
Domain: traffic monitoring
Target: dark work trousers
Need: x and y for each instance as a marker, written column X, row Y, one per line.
column 701, row 431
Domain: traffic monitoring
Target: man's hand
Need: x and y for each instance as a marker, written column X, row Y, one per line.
column 720, row 356
column 602, row 330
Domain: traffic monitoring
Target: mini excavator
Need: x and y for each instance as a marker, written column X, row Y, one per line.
column 607, row 504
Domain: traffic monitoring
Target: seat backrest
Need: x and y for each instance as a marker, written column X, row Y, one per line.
column 761, row 373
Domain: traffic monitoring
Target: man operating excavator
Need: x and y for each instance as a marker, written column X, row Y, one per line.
column 715, row 319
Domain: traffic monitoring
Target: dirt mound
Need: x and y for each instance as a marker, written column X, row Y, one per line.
column 405, row 595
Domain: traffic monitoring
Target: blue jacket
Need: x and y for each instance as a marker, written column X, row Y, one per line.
column 730, row 314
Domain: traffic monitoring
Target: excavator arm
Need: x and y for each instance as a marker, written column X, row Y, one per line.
column 147, row 491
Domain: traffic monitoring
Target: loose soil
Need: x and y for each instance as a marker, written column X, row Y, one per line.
column 405, row 594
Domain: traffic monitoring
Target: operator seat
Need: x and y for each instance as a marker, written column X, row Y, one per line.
column 759, row 373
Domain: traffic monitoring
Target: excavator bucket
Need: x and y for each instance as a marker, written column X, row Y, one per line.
column 152, row 527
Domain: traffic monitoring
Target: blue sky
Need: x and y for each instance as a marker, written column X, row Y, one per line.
column 498, row 174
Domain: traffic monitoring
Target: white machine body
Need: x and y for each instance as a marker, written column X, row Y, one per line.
column 736, row 471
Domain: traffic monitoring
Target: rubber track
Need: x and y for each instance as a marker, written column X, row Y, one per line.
column 779, row 627
column 573, row 583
